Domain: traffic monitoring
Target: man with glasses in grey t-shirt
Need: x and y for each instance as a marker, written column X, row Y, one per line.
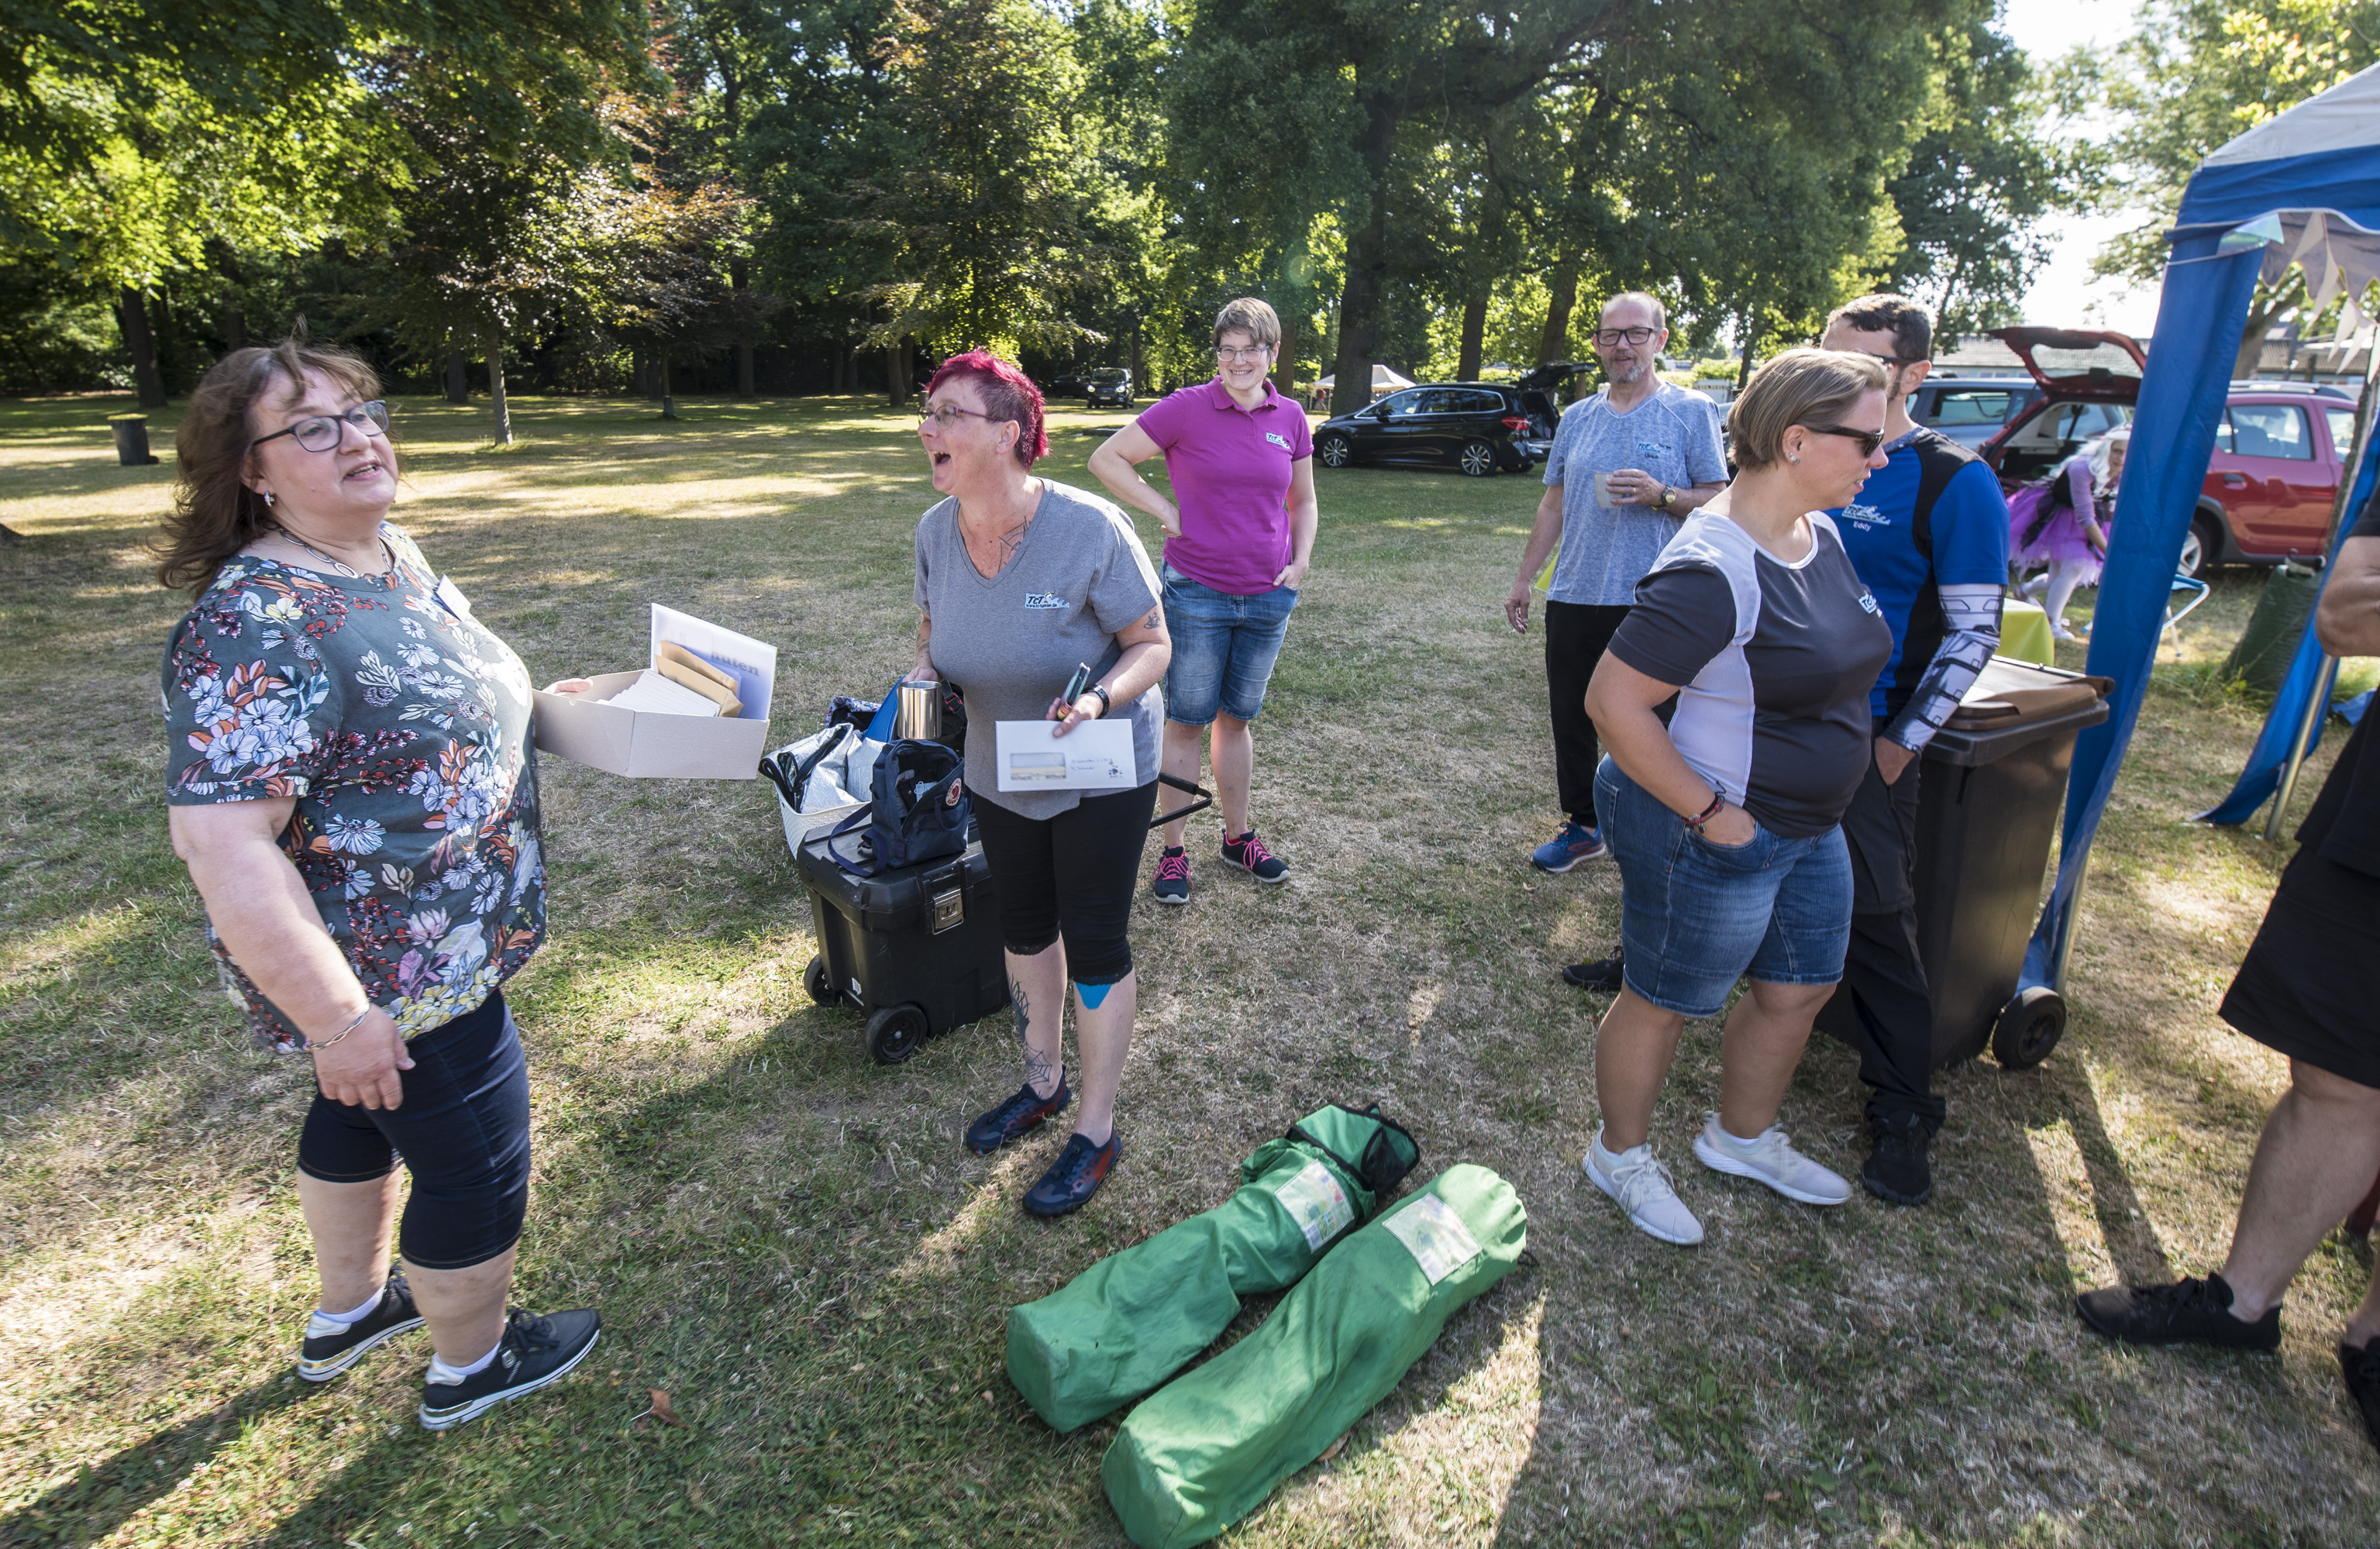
column 1626, row 468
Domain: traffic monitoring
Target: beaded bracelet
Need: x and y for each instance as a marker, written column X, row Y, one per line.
column 309, row 1048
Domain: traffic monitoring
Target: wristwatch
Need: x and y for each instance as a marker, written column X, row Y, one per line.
column 1106, row 705
column 1667, row 495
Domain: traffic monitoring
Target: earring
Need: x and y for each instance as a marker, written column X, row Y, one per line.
column 268, row 499
column 1788, row 457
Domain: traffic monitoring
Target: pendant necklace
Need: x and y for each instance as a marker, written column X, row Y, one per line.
column 341, row 566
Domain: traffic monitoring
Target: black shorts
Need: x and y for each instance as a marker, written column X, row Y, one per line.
column 462, row 1131
column 1070, row 875
column 2310, row 985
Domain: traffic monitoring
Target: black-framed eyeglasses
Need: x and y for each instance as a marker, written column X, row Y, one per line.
column 947, row 415
column 1610, row 336
column 322, row 432
column 1868, row 440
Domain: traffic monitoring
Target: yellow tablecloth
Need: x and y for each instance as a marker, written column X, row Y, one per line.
column 2024, row 634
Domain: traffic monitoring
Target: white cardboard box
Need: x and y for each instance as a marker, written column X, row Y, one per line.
column 583, row 729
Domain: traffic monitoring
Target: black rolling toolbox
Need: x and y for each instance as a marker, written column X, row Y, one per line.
column 918, row 950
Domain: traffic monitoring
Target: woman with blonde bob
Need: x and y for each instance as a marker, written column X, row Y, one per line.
column 349, row 778
column 1725, row 820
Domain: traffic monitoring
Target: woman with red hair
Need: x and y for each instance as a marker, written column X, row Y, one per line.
column 1020, row 581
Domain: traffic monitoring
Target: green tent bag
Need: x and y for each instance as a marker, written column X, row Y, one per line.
column 1134, row 1319
column 1209, row 1447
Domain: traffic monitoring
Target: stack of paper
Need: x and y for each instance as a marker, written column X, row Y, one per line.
column 655, row 694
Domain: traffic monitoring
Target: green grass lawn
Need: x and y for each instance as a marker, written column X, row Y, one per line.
column 791, row 1243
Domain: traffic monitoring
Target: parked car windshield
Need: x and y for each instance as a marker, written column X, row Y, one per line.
column 1973, row 406
column 1108, row 373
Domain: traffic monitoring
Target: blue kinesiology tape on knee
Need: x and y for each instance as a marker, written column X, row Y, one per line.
column 1093, row 994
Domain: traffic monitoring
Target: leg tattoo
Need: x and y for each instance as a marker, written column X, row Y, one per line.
column 1039, row 1068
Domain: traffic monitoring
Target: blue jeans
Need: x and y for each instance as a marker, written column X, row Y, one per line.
column 1694, row 916
column 1225, row 647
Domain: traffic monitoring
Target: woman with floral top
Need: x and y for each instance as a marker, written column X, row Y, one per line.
column 351, row 783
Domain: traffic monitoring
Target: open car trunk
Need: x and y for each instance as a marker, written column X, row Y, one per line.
column 2089, row 379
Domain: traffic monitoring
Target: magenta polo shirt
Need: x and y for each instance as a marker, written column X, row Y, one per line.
column 1230, row 469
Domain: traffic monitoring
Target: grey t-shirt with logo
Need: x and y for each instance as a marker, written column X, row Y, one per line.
column 1012, row 640
column 1606, row 550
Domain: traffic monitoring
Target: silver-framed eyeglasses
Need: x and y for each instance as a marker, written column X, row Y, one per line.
column 1230, row 357
column 944, row 416
column 320, row 432
column 1610, row 336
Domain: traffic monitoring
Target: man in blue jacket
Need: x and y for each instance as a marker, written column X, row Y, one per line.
column 1929, row 537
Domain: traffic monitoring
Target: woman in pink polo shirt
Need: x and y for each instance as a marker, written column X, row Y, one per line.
column 1237, row 541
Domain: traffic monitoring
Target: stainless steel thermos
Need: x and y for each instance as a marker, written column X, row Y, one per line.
column 918, row 718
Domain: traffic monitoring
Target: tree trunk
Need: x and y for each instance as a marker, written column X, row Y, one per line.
column 841, row 378
column 2264, row 310
column 1475, row 333
column 459, row 376
column 133, row 316
column 1140, row 382
column 669, row 394
column 1554, row 344
column 234, row 319
column 503, row 408
column 739, row 275
column 234, row 329
column 1747, row 340
column 1367, row 259
column 1284, row 366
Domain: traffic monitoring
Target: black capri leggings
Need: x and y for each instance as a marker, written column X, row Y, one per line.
column 462, row 1130
column 1070, row 875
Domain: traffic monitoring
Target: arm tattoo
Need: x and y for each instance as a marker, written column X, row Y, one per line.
column 1971, row 615
column 1150, row 622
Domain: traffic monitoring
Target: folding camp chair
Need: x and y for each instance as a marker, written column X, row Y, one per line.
column 2195, row 589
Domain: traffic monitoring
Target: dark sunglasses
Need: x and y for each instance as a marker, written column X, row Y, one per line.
column 320, row 432
column 1868, row 440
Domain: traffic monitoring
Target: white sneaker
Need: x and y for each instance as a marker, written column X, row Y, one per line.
column 1641, row 1185
column 1770, row 1159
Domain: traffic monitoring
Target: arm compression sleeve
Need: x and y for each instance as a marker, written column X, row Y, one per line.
column 1972, row 615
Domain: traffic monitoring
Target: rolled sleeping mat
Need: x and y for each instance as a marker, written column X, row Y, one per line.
column 1206, row 1449
column 1134, row 1319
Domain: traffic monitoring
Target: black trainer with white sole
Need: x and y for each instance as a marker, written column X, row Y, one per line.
column 331, row 1348
column 534, row 1351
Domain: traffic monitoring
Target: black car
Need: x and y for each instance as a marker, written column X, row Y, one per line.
column 1478, row 426
column 1110, row 385
column 1072, row 385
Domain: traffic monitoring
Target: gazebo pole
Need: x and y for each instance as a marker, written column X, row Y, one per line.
column 2319, row 704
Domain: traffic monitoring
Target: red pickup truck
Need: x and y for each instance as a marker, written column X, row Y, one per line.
column 2271, row 484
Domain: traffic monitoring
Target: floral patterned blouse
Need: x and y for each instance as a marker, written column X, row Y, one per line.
column 402, row 726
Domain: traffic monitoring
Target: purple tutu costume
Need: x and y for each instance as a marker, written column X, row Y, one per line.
column 2060, row 537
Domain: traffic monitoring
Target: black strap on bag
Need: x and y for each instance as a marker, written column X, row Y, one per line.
column 791, row 776
column 1380, row 1169
column 1206, row 799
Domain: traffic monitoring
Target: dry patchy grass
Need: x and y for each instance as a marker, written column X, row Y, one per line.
column 792, row 1242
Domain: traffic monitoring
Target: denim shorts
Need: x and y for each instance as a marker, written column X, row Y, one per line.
column 1694, row 916
column 1223, row 648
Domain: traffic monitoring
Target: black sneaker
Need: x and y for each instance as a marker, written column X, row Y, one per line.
column 1016, row 1117
column 331, row 1347
column 1074, row 1177
column 1601, row 974
column 534, row 1351
column 1896, row 1169
column 2192, row 1312
column 1248, row 852
column 2361, row 1370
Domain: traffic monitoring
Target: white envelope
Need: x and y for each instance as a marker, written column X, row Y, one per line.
column 1095, row 755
